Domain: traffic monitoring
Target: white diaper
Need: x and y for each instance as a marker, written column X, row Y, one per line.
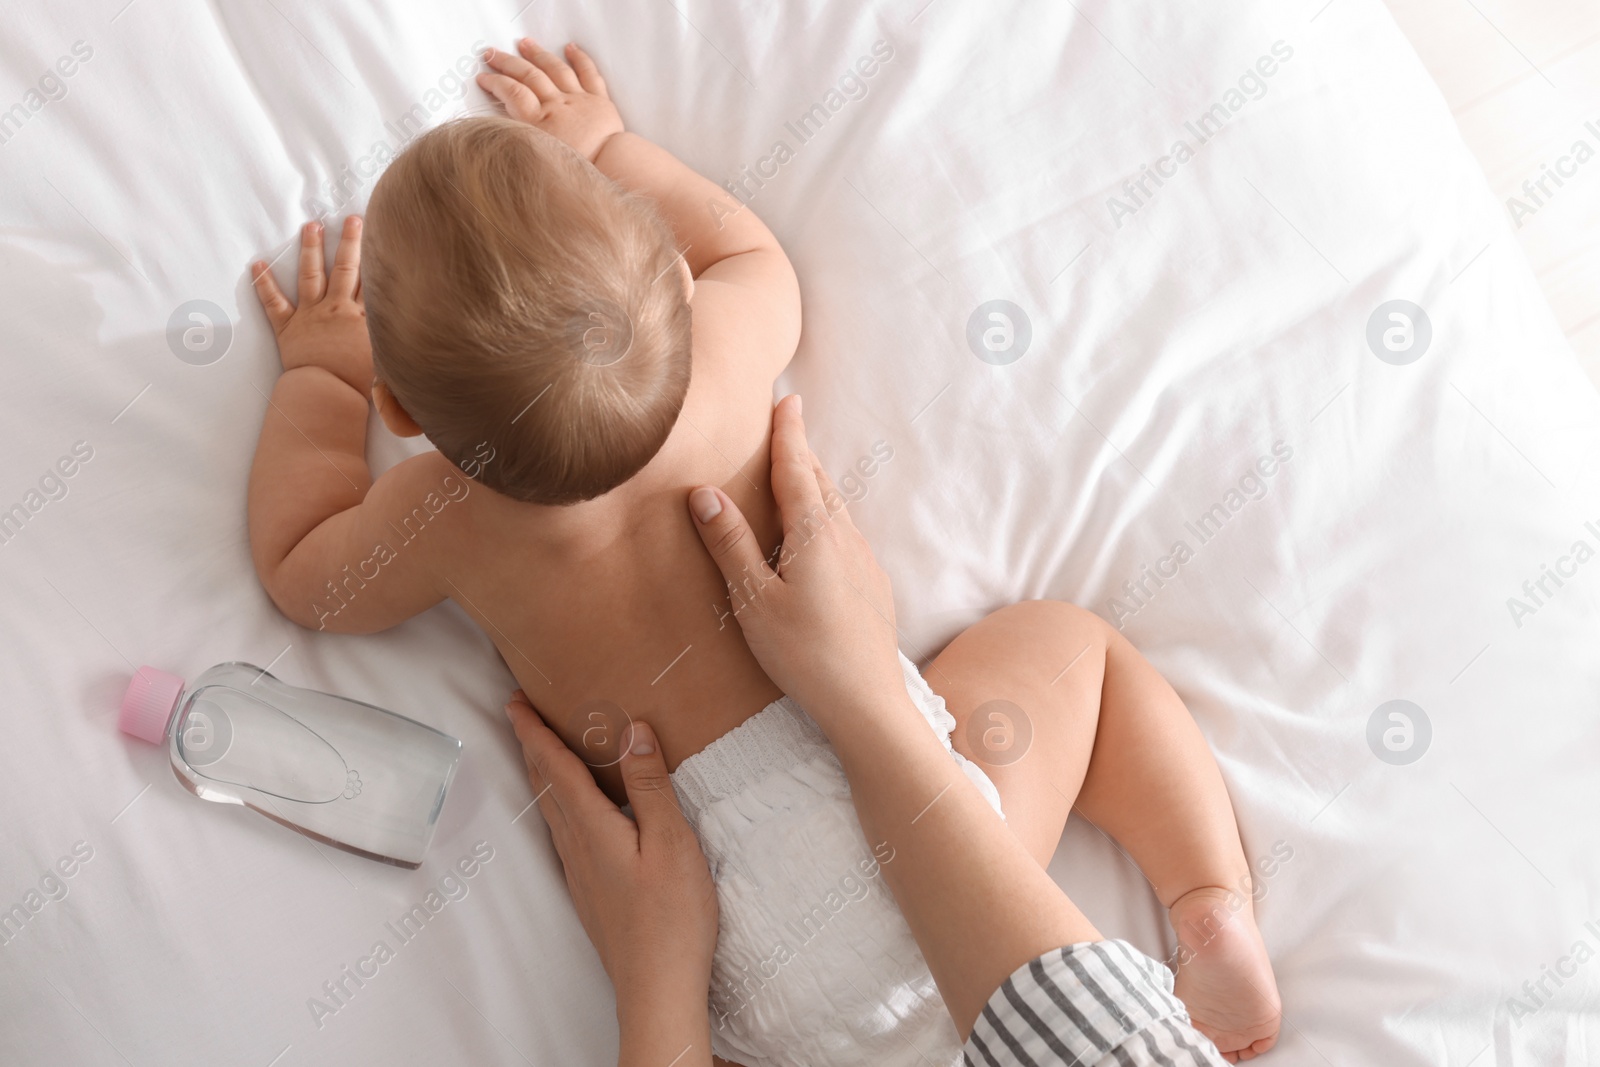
column 815, row 964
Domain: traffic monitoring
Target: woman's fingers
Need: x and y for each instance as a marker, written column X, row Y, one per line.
column 831, row 497
column 562, row 785
column 650, row 792
column 519, row 711
column 273, row 302
column 312, row 281
column 553, row 65
column 794, row 482
column 588, row 74
column 347, row 261
column 523, row 73
column 729, row 539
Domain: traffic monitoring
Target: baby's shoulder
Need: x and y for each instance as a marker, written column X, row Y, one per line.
column 746, row 318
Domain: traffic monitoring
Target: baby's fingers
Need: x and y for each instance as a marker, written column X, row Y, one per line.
column 515, row 97
column 524, row 73
column 347, row 261
column 552, row 64
column 313, row 283
column 273, row 302
column 588, row 73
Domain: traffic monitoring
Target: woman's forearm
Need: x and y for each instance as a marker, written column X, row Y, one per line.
column 953, row 857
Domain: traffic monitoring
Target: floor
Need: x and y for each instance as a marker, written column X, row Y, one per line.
column 1523, row 80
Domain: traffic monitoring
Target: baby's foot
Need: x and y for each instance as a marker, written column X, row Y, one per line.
column 1224, row 975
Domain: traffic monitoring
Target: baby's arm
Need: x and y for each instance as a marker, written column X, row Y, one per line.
column 741, row 273
column 330, row 546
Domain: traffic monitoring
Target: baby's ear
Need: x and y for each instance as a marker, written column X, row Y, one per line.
column 687, row 276
column 395, row 417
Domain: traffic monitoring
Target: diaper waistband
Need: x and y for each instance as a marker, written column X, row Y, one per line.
column 776, row 738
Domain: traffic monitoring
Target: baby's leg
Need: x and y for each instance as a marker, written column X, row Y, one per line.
column 1108, row 734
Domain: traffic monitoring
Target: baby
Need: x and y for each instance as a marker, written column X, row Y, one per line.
column 585, row 329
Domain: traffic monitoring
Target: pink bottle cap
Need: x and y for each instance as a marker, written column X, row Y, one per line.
column 148, row 703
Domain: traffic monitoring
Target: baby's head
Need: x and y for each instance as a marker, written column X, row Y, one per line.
column 517, row 297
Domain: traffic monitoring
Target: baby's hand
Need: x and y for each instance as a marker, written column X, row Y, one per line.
column 329, row 327
column 568, row 102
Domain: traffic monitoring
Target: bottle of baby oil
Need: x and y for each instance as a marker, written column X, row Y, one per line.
column 337, row 770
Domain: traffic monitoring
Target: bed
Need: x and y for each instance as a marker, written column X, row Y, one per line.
column 1521, row 80
column 1102, row 280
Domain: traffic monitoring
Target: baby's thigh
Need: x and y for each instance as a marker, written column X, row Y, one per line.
column 1024, row 687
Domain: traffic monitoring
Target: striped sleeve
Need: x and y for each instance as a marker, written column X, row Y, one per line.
column 1094, row 1003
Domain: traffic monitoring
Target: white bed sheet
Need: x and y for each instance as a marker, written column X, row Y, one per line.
column 1167, row 355
column 1522, row 78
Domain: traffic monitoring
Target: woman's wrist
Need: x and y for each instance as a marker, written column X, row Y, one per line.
column 869, row 724
column 665, row 1024
column 848, row 697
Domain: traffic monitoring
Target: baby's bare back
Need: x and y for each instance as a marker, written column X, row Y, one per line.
column 612, row 610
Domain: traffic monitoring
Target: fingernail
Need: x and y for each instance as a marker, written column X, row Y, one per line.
column 705, row 504
column 643, row 742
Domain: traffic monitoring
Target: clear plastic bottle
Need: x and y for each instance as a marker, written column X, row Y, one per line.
column 340, row 771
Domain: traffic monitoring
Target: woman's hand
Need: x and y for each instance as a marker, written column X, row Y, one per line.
column 328, row 328
column 641, row 887
column 568, row 102
column 820, row 623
